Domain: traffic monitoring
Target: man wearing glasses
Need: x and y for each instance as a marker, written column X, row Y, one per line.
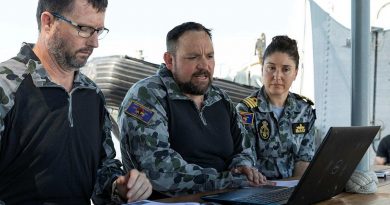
column 55, row 141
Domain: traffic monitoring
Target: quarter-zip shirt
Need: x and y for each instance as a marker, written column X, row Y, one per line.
column 207, row 137
column 181, row 148
column 55, row 145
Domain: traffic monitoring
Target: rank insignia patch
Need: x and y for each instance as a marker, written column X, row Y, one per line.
column 300, row 128
column 247, row 118
column 140, row 112
column 251, row 102
column 264, row 129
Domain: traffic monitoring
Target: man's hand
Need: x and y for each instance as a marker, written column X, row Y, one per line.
column 254, row 177
column 134, row 186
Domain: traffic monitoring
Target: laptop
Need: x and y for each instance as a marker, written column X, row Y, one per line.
column 333, row 164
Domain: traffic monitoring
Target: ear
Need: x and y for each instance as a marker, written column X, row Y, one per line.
column 168, row 59
column 47, row 21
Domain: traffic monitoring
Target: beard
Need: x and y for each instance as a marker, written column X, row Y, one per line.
column 193, row 88
column 57, row 46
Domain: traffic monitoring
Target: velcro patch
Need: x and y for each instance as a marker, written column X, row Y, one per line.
column 247, row 118
column 300, row 128
column 140, row 112
column 264, row 129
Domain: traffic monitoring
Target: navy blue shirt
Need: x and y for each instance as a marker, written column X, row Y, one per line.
column 208, row 137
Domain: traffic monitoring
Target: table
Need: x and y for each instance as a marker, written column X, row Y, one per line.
column 381, row 197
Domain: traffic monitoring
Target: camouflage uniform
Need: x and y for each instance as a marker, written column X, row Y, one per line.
column 145, row 139
column 279, row 144
column 29, row 146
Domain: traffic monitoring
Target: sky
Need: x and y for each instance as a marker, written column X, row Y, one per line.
column 143, row 24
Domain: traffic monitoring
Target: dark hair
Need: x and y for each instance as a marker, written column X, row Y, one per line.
column 283, row 44
column 64, row 6
column 174, row 34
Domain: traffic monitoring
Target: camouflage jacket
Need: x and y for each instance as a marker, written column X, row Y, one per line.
column 145, row 139
column 279, row 143
column 26, row 71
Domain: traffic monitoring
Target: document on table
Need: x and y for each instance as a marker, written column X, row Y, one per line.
column 382, row 173
column 287, row 183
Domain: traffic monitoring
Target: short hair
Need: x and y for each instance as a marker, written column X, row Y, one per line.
column 174, row 34
column 64, row 6
column 283, row 44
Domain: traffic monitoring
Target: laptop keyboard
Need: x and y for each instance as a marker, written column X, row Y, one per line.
column 269, row 197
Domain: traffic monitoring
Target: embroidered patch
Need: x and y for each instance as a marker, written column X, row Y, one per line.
column 247, row 118
column 140, row 112
column 264, row 129
column 251, row 102
column 300, row 128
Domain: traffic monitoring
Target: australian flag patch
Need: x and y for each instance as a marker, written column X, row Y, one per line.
column 247, row 118
column 140, row 112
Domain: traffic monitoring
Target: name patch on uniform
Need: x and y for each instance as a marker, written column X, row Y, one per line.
column 300, row 128
column 247, row 118
column 264, row 129
column 140, row 112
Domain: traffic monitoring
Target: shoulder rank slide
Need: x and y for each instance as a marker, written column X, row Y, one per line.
column 251, row 102
column 139, row 112
column 306, row 99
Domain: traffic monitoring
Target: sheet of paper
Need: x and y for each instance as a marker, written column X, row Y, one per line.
column 382, row 173
column 287, row 183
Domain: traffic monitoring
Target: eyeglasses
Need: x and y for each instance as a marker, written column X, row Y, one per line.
column 84, row 31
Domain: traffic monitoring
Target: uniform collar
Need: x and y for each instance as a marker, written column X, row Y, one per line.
column 173, row 89
column 39, row 74
column 291, row 104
